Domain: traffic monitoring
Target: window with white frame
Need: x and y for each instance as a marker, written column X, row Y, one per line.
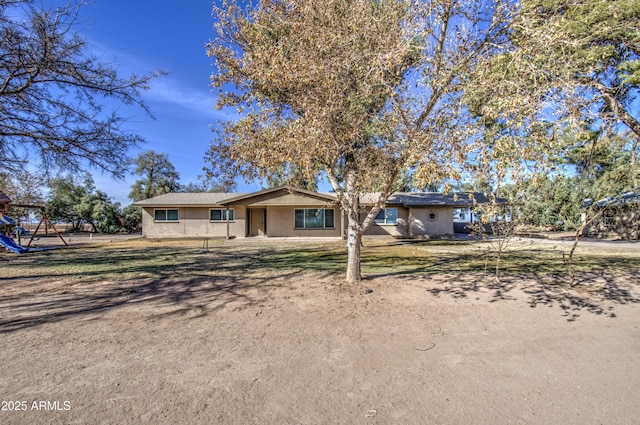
column 387, row 216
column 314, row 218
column 165, row 215
column 219, row 214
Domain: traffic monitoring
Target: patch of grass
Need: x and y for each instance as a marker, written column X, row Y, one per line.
column 154, row 259
column 325, row 258
column 441, row 257
column 423, row 258
column 117, row 261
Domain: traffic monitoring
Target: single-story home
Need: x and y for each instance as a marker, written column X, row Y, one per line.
column 289, row 212
column 618, row 217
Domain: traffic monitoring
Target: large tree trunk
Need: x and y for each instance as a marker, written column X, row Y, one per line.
column 354, row 229
column 350, row 203
column 354, row 241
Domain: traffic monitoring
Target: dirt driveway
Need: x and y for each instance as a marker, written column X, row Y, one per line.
column 310, row 350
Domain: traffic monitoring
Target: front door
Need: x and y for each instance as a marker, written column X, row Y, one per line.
column 257, row 222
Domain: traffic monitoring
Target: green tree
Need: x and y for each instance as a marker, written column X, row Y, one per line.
column 65, row 196
column 568, row 79
column 210, row 186
column 81, row 203
column 196, row 187
column 569, row 62
column 360, row 90
column 549, row 201
column 74, row 202
column 222, row 186
column 54, row 94
column 131, row 218
column 158, row 176
column 97, row 210
column 595, row 166
column 107, row 215
column 607, row 163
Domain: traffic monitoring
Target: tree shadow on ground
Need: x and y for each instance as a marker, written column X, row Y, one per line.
column 602, row 282
column 191, row 298
column 538, row 273
column 596, row 293
column 59, row 285
column 92, row 300
column 184, row 283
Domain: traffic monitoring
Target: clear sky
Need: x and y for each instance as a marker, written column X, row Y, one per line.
column 140, row 37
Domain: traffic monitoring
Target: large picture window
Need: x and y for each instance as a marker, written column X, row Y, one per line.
column 314, row 218
column 387, row 216
column 165, row 215
column 220, row 215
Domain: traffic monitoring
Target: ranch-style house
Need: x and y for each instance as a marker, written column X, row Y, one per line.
column 290, row 212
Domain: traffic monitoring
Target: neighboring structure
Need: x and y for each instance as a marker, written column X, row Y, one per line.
column 618, row 217
column 288, row 212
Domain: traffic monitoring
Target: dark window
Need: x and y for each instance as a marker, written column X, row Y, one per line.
column 165, row 215
column 314, row 218
column 220, row 215
column 387, row 216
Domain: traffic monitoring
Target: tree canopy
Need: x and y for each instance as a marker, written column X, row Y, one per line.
column 566, row 81
column 80, row 202
column 158, row 176
column 568, row 62
column 54, row 94
column 23, row 187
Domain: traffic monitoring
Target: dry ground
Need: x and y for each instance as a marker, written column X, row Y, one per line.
column 242, row 334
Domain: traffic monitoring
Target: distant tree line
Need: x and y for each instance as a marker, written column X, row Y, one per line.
column 594, row 166
column 75, row 199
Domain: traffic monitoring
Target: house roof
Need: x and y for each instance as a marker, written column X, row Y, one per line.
column 185, row 199
column 406, row 199
column 242, row 197
column 433, row 199
column 625, row 199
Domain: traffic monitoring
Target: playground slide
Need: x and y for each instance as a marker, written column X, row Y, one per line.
column 6, row 220
column 11, row 245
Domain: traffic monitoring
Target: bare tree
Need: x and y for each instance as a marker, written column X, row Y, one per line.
column 53, row 93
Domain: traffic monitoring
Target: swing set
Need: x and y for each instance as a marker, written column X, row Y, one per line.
column 5, row 203
column 43, row 219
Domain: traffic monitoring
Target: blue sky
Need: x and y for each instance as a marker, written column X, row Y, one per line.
column 141, row 37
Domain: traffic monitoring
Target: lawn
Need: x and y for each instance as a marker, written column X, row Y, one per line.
column 143, row 258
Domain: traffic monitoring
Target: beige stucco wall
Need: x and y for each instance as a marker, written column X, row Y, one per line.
column 192, row 222
column 281, row 223
column 423, row 226
column 397, row 230
column 420, row 223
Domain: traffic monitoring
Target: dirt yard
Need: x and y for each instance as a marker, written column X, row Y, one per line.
column 305, row 348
